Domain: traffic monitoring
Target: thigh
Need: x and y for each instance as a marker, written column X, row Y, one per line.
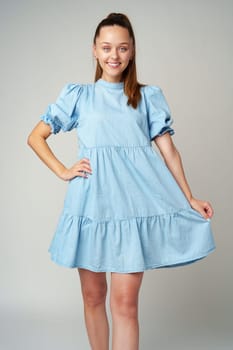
column 126, row 285
column 92, row 282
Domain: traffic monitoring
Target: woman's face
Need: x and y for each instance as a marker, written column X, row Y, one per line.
column 113, row 49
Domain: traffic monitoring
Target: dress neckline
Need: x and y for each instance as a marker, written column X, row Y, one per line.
column 110, row 85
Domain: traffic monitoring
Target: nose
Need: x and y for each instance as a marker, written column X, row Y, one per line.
column 114, row 54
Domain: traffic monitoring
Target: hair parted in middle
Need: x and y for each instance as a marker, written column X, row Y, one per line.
column 129, row 76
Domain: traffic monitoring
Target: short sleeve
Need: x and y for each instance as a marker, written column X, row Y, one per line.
column 159, row 114
column 63, row 114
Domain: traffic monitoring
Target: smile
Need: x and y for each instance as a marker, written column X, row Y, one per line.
column 113, row 65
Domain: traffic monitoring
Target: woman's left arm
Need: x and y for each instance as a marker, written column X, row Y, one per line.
column 173, row 161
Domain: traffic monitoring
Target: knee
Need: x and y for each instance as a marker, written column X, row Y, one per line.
column 124, row 305
column 94, row 296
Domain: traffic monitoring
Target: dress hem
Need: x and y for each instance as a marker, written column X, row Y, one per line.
column 171, row 264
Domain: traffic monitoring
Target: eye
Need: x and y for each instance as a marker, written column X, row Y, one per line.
column 123, row 49
column 106, row 49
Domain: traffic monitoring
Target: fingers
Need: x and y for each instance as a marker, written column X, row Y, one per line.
column 208, row 209
column 202, row 211
column 204, row 208
column 82, row 168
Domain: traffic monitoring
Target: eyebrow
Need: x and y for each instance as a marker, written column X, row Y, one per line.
column 123, row 43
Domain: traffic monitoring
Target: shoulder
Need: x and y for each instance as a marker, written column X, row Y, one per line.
column 153, row 95
column 73, row 87
column 154, row 98
column 74, row 91
column 150, row 90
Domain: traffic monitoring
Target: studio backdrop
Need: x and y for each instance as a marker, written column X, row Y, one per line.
column 185, row 47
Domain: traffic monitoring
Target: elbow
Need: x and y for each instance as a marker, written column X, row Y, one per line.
column 170, row 152
column 30, row 140
column 175, row 152
column 171, row 155
column 38, row 135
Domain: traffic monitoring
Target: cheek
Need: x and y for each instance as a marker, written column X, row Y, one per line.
column 127, row 57
column 102, row 56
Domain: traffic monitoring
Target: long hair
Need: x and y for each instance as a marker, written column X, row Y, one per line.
column 129, row 76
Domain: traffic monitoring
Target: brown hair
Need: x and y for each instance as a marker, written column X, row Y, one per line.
column 131, row 85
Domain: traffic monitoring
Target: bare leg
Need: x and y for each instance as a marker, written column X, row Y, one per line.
column 124, row 308
column 94, row 291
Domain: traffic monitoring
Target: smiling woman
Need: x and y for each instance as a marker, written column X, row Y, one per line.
column 113, row 49
column 124, row 43
column 125, row 210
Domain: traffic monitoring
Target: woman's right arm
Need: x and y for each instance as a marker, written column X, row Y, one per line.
column 37, row 141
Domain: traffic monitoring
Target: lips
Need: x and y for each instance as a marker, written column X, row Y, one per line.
column 113, row 64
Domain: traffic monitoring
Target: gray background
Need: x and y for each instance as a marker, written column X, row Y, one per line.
column 183, row 46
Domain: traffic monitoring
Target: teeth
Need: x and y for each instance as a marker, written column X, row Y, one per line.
column 113, row 64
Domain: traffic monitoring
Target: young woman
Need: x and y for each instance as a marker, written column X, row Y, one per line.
column 126, row 210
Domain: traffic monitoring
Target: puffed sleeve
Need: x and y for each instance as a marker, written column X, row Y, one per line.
column 63, row 114
column 159, row 114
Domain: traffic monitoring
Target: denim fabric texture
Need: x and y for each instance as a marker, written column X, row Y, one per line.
column 129, row 215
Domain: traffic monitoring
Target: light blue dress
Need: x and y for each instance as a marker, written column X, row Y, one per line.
column 130, row 215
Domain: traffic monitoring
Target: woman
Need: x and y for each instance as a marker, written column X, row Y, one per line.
column 126, row 210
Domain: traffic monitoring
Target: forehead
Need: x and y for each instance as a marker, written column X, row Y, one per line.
column 113, row 34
